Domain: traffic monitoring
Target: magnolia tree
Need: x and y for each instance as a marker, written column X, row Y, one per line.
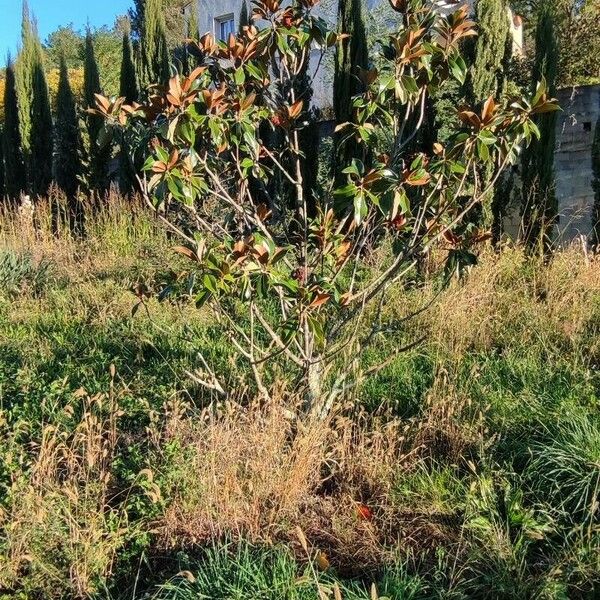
column 284, row 270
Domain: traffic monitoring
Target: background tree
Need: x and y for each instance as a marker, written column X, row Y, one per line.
column 487, row 77
column 184, row 52
column 2, row 174
column 67, row 163
column 41, row 142
column 128, row 87
column 174, row 15
column 35, row 116
column 16, row 177
column 97, row 156
column 108, row 44
column 129, row 90
column 539, row 191
column 351, row 56
column 65, row 43
column 488, row 72
column 155, row 53
column 29, row 56
column 193, row 28
column 244, row 17
column 576, row 29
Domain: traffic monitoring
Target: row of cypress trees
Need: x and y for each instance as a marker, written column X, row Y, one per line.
column 40, row 146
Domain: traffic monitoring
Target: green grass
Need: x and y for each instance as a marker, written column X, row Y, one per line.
column 493, row 490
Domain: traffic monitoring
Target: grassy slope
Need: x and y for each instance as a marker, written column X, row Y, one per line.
column 473, row 468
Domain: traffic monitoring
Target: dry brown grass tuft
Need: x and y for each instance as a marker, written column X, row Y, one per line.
column 256, row 474
column 511, row 296
column 61, row 527
column 245, row 472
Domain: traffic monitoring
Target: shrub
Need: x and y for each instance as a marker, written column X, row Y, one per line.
column 565, row 468
column 226, row 176
column 20, row 273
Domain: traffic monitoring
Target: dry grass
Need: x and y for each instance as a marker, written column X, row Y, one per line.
column 61, row 510
column 117, row 230
column 513, row 295
column 256, row 474
column 243, row 473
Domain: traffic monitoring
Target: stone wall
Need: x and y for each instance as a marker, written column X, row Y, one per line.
column 573, row 164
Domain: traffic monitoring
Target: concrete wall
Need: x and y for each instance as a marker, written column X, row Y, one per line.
column 573, row 164
column 210, row 10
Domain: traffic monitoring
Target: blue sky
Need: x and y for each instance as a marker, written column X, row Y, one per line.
column 52, row 13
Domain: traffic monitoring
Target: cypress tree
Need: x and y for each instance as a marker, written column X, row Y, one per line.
column 491, row 60
column 351, row 54
column 193, row 25
column 41, row 142
column 35, row 115
column 2, row 172
column 128, row 88
column 97, row 156
column 130, row 91
column 596, row 183
column 155, row 53
column 540, row 209
column 244, row 16
column 66, row 158
column 15, row 174
column 27, row 58
column 487, row 74
column 91, row 75
column 192, row 35
column 67, row 164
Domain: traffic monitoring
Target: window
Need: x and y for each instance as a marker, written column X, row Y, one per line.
column 224, row 27
column 587, row 126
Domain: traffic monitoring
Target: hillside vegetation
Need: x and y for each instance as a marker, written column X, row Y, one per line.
column 469, row 467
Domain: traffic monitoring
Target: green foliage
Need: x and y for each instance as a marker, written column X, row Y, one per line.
column 98, row 151
column 15, row 174
column 91, row 83
column 29, row 55
column 19, row 274
column 540, row 208
column 210, row 129
column 2, row 174
column 489, row 65
column 41, row 144
column 155, row 53
column 128, row 87
column 492, row 490
column 35, row 117
column 174, row 14
column 244, row 19
column 579, row 43
column 67, row 166
column 107, row 46
column 244, row 571
column 193, row 29
column 65, row 44
column 351, row 56
column 576, row 30
column 565, row 468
